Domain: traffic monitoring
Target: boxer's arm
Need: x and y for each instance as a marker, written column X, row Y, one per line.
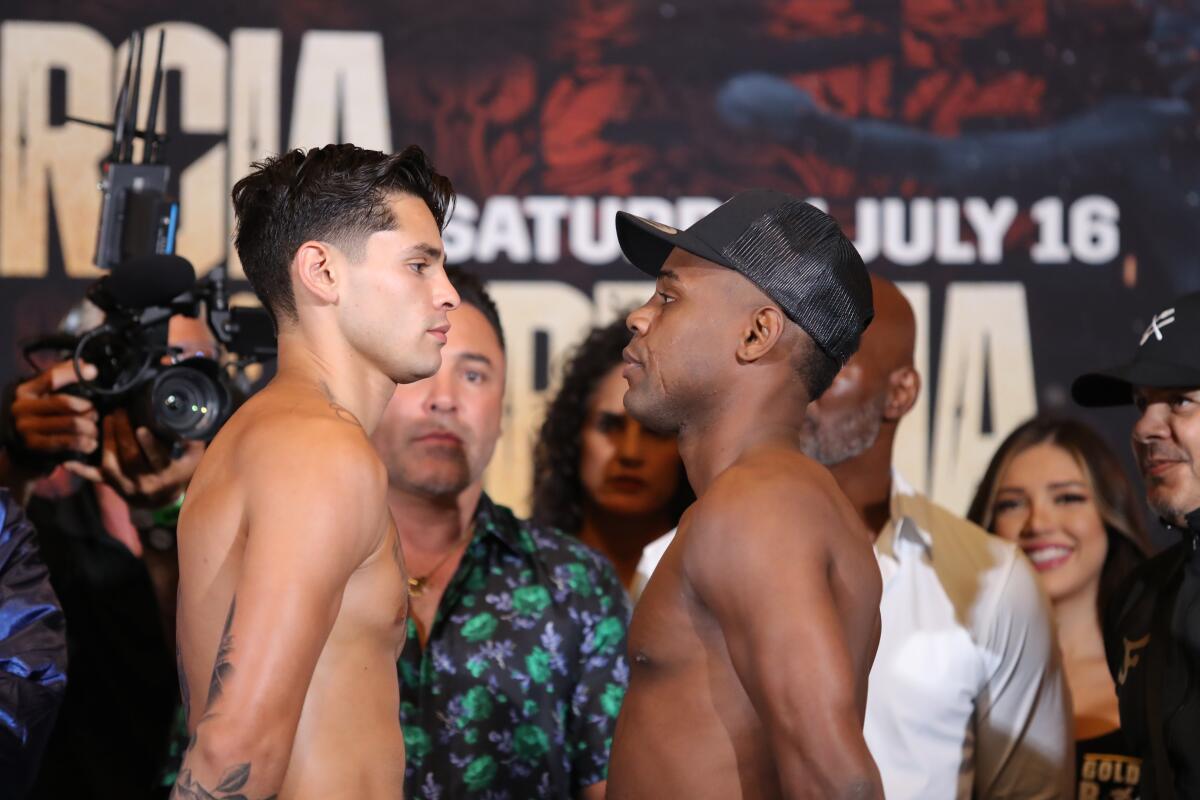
column 315, row 514
column 759, row 561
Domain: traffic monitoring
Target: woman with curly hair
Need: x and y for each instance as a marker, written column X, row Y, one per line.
column 1056, row 489
column 598, row 474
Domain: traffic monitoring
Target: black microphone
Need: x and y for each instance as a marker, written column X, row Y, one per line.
column 143, row 282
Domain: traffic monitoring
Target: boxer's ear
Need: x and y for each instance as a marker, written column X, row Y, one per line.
column 313, row 274
column 764, row 330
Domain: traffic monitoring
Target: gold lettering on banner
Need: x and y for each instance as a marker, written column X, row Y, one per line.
column 1132, row 657
column 1112, row 776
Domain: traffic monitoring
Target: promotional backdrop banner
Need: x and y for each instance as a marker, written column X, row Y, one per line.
column 1027, row 171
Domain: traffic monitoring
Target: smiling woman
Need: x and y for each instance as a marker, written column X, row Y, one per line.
column 1057, row 490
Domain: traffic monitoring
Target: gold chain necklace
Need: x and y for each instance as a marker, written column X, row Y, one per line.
column 419, row 584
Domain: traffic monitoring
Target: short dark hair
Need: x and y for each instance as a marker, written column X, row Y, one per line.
column 816, row 368
column 558, row 491
column 472, row 292
column 336, row 193
column 1114, row 494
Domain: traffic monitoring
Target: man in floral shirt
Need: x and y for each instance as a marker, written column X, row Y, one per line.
column 514, row 668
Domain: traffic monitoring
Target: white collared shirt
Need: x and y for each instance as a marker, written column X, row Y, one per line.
column 966, row 696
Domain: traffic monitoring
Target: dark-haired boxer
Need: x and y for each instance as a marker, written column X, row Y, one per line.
column 292, row 589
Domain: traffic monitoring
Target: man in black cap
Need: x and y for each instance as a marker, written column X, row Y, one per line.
column 1152, row 629
column 751, row 644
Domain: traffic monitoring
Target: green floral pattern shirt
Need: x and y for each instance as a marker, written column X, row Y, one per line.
column 516, row 693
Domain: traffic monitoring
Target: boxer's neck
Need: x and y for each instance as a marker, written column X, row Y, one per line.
column 709, row 447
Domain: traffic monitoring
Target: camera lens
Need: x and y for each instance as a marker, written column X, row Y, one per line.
column 187, row 402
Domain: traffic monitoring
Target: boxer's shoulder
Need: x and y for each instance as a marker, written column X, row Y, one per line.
column 300, row 429
column 757, row 508
column 769, row 486
column 290, row 461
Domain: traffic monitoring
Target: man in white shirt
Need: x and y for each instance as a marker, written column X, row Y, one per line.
column 966, row 696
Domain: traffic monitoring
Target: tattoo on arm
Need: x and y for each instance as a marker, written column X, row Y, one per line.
column 222, row 667
column 228, row 788
column 235, row 778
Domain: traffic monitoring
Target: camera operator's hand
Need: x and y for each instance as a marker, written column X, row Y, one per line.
column 138, row 465
column 49, row 422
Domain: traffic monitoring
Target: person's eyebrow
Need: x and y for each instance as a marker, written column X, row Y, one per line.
column 1010, row 489
column 477, row 357
column 424, row 249
column 1068, row 484
column 669, row 274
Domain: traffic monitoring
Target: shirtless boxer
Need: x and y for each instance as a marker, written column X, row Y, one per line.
column 292, row 589
column 751, row 644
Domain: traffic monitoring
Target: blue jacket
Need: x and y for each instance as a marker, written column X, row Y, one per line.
column 33, row 651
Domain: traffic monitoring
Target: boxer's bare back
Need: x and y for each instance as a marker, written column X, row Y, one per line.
column 292, row 604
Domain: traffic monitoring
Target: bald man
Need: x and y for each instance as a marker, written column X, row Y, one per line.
column 966, row 693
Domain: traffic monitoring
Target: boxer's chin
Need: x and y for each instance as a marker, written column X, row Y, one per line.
column 652, row 412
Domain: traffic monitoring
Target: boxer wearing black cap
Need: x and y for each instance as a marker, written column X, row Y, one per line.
column 1152, row 627
column 752, row 642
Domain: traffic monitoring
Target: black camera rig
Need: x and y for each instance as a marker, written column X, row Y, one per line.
column 179, row 396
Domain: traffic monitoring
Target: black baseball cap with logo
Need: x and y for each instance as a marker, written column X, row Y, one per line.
column 1168, row 357
column 790, row 249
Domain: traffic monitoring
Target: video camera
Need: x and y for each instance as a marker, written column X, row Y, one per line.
column 179, row 396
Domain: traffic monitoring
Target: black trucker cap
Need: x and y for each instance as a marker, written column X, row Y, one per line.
column 1168, row 356
column 792, row 250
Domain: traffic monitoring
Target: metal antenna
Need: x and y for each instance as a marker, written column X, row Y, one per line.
column 135, row 92
column 150, row 153
column 121, row 109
